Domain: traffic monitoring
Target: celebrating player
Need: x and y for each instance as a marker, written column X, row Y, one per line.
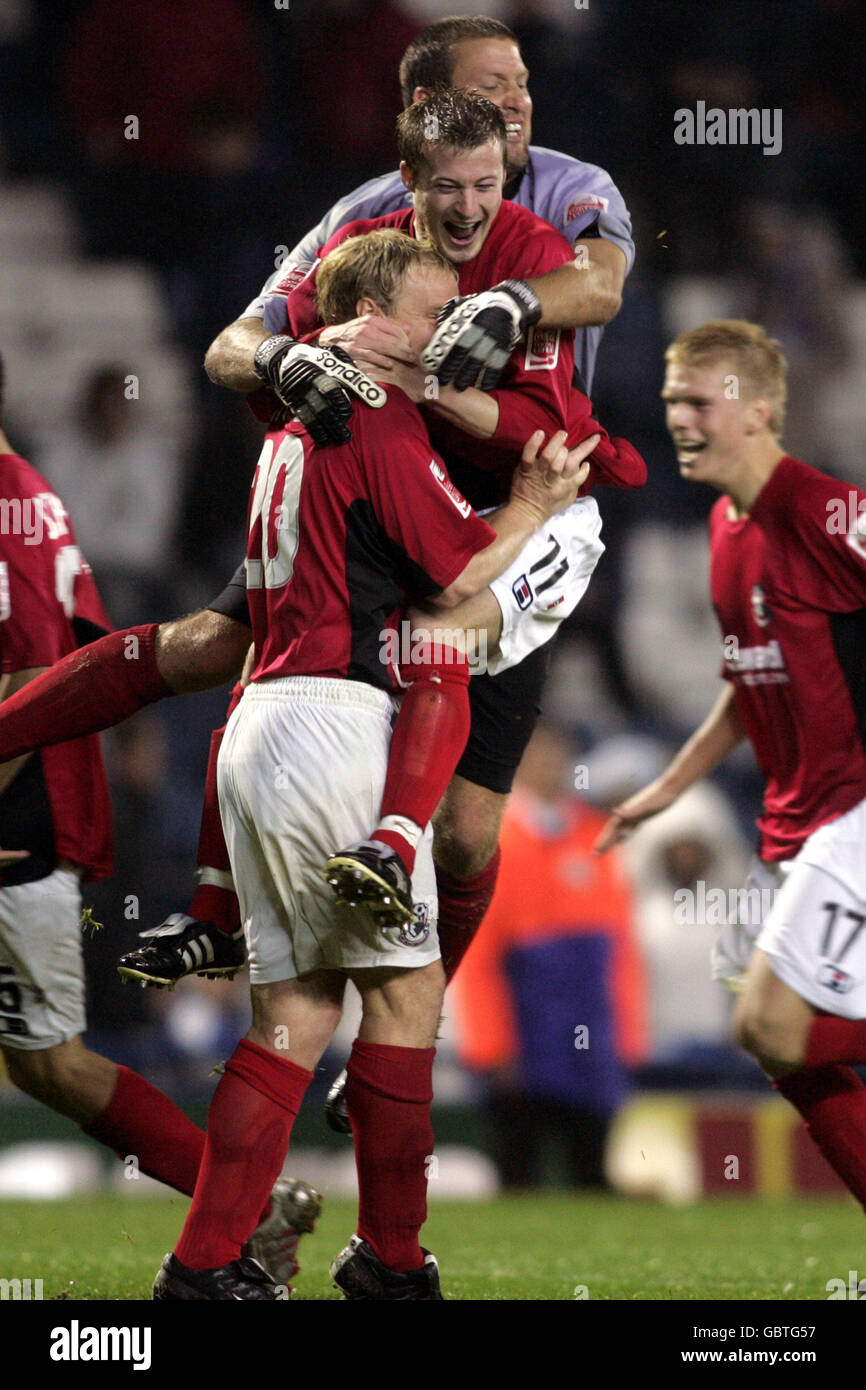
column 469, row 151
column 340, row 536
column 788, row 583
column 55, row 821
column 472, row 53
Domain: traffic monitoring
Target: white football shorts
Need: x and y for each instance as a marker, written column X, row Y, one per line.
column 301, row 774
column 809, row 917
column 546, row 582
column 41, row 967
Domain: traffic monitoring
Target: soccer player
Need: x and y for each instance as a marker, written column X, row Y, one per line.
column 472, row 53
column 788, row 583
column 55, row 821
column 342, row 536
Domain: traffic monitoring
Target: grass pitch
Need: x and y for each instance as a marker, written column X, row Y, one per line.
column 537, row 1246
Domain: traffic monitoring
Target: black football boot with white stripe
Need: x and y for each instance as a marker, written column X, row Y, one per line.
column 372, row 874
column 181, row 946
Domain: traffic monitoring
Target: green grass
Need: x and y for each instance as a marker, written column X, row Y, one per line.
column 532, row 1247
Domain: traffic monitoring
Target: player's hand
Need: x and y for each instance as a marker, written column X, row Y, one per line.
column 626, row 817
column 12, row 856
column 314, row 384
column 477, row 334
column 549, row 476
column 372, row 342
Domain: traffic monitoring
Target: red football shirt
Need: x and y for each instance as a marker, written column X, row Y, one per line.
column 46, row 588
column 537, row 390
column 789, row 588
column 341, row 537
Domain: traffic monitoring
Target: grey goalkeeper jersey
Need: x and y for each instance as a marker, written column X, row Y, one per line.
column 576, row 198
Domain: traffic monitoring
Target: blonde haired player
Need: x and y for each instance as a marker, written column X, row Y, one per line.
column 788, row 582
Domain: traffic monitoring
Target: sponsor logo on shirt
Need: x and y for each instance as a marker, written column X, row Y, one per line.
column 522, row 592
column 590, row 202
column 542, row 350
column 295, row 274
column 463, row 507
column 833, row 978
column 760, row 611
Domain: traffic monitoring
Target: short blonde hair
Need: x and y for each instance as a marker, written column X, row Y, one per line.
column 759, row 359
column 372, row 266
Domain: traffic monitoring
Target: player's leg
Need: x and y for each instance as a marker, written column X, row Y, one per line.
column 811, row 957
column 206, row 938
column 434, row 664
column 105, row 682
column 42, row 1019
column 389, row 1092
column 248, row 1131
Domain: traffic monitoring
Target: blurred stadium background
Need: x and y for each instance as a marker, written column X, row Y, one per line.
column 119, row 262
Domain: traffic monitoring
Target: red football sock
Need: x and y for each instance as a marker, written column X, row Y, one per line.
column 834, row 1039
column 462, row 905
column 388, row 1093
column 215, row 899
column 832, row 1101
column 140, row 1122
column 248, row 1129
column 427, row 744
column 88, row 690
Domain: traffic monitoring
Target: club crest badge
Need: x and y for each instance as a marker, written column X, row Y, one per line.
column 760, row 611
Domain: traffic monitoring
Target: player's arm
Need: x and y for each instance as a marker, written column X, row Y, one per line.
column 230, row 359
column 546, row 480
column 587, row 291
column 11, row 682
column 718, row 736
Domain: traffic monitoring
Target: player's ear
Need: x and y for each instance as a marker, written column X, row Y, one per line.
column 366, row 305
column 407, row 176
column 420, row 93
column 759, row 414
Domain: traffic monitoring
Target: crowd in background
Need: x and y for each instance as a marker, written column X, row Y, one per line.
column 251, row 119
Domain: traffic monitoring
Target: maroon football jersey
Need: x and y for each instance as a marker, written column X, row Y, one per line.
column 789, row 588
column 46, row 590
column 341, row 537
column 537, row 390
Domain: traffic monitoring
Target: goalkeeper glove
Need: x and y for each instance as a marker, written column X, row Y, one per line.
column 477, row 335
column 314, row 384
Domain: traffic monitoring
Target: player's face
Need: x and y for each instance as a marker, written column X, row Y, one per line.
column 457, row 194
column 707, row 421
column 495, row 69
column 417, row 306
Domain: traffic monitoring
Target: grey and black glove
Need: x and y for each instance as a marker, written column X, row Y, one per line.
column 477, row 334
column 314, row 384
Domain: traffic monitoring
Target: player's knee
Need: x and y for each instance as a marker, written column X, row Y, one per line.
column 42, row 1074
column 201, row 651
column 774, row 1042
column 466, row 837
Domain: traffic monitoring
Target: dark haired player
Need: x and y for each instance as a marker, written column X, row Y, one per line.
column 788, row 583
column 478, row 54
